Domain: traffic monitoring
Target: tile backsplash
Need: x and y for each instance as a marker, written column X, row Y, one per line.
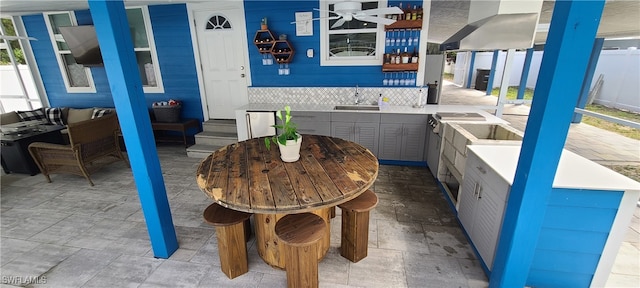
column 334, row 95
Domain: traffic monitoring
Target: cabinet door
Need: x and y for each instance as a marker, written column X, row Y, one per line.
column 467, row 201
column 488, row 220
column 342, row 130
column 433, row 153
column 390, row 146
column 366, row 134
column 413, row 141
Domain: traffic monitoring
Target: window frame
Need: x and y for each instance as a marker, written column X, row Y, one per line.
column 159, row 88
column 59, row 53
column 325, row 31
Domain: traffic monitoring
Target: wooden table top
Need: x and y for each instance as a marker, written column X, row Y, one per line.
column 245, row 176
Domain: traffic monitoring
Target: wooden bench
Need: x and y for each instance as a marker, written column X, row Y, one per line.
column 300, row 235
column 182, row 126
column 232, row 236
column 355, row 226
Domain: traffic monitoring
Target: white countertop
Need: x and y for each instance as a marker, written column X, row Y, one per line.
column 574, row 171
column 427, row 109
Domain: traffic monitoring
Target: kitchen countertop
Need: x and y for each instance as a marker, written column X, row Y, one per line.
column 574, row 171
column 391, row 109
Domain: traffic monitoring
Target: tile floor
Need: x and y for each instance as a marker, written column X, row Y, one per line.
column 75, row 235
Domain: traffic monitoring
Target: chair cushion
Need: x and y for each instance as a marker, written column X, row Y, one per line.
column 9, row 117
column 79, row 115
column 37, row 114
column 97, row 113
column 54, row 115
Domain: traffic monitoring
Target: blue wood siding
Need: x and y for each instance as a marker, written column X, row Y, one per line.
column 175, row 55
column 574, row 232
column 304, row 71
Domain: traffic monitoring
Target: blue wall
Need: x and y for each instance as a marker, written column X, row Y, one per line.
column 304, row 71
column 175, row 55
column 573, row 235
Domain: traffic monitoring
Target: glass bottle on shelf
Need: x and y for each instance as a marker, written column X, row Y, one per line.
column 410, row 40
column 403, row 41
column 398, row 57
column 414, row 56
column 405, row 56
column 407, row 12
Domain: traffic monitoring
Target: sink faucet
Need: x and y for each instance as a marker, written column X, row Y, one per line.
column 357, row 95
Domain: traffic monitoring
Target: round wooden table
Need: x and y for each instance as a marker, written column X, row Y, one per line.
column 247, row 177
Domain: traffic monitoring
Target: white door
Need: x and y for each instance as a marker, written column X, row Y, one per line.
column 222, row 46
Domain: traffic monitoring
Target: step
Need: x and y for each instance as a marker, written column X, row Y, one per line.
column 201, row 151
column 216, row 138
column 220, row 125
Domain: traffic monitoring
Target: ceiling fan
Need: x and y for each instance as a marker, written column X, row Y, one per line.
column 349, row 10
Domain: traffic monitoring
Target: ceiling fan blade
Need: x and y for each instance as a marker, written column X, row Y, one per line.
column 328, row 18
column 338, row 23
column 321, row 10
column 378, row 20
column 382, row 11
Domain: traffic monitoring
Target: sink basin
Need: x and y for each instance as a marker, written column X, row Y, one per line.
column 357, row 107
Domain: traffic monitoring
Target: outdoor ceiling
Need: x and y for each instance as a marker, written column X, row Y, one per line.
column 621, row 18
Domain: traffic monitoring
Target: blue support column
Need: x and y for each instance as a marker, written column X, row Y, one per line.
column 525, row 73
column 573, row 27
column 588, row 78
column 492, row 74
column 112, row 28
column 471, row 63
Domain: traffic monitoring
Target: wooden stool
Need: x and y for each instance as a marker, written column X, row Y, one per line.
column 230, row 230
column 300, row 234
column 355, row 226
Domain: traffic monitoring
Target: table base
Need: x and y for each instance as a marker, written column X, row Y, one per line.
column 267, row 243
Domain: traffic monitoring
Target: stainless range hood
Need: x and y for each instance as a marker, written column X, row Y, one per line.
column 493, row 25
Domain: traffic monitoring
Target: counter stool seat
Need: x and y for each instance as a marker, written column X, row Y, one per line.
column 354, row 240
column 300, row 234
column 232, row 235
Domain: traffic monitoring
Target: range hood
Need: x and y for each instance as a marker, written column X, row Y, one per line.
column 494, row 25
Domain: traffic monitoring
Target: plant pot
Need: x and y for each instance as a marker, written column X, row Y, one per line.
column 291, row 151
column 263, row 27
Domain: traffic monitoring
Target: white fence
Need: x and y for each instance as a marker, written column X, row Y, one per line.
column 620, row 68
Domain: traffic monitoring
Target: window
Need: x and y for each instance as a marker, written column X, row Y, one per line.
column 353, row 43
column 218, row 22
column 18, row 89
column 144, row 47
column 78, row 78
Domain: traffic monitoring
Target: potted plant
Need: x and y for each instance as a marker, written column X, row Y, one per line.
column 289, row 140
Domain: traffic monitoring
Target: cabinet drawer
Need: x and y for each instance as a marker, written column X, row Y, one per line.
column 356, row 117
column 315, row 128
column 307, row 116
column 404, row 119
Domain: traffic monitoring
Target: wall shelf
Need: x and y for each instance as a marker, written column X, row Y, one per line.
column 282, row 51
column 264, row 41
column 404, row 24
column 386, row 67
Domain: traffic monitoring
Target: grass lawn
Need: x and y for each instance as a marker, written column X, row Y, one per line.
column 633, row 133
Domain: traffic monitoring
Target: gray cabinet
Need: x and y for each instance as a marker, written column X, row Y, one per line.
column 362, row 128
column 316, row 123
column 402, row 137
column 482, row 202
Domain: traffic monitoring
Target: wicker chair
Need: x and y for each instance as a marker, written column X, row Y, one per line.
column 93, row 143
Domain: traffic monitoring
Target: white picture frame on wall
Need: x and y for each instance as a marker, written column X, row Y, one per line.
column 304, row 24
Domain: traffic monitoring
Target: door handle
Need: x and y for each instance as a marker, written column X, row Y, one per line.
column 242, row 75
